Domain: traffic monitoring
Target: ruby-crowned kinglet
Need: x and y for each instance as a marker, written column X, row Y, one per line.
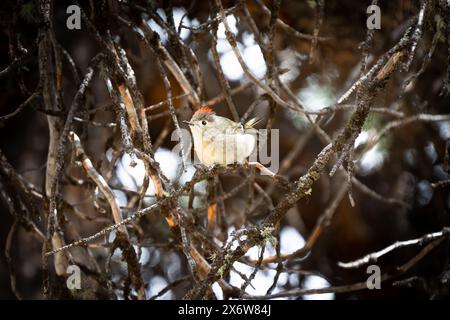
column 218, row 140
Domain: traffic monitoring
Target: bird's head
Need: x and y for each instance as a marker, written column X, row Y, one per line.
column 203, row 119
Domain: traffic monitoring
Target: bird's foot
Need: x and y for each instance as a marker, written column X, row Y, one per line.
column 261, row 168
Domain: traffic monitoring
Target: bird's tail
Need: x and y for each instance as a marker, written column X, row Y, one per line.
column 251, row 123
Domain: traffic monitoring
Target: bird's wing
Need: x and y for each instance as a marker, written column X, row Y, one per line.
column 237, row 127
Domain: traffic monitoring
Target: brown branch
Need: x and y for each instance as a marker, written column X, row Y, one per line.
column 320, row 4
column 170, row 286
column 290, row 30
column 115, row 208
column 222, row 80
column 233, row 42
column 21, row 107
column 122, row 118
column 99, row 181
column 322, row 222
column 153, row 41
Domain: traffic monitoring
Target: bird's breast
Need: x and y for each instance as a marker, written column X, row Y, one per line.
column 224, row 149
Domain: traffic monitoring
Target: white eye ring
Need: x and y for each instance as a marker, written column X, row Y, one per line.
column 204, row 123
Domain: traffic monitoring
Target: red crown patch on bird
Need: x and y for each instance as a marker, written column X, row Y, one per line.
column 205, row 110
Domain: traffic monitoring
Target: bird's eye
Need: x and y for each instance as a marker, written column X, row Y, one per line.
column 204, row 123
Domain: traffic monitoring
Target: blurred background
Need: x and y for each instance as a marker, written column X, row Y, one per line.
column 402, row 165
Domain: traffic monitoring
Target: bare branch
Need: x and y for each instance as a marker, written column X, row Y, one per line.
column 373, row 257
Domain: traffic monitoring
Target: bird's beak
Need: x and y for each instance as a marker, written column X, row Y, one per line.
column 189, row 123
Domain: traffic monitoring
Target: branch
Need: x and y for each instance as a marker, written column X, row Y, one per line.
column 288, row 28
column 355, row 286
column 21, row 107
column 97, row 179
column 373, row 257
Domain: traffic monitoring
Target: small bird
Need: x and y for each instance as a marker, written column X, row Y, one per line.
column 219, row 140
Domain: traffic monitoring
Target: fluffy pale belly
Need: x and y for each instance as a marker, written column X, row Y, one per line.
column 230, row 149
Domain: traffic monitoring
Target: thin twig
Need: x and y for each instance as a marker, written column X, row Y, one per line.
column 373, row 257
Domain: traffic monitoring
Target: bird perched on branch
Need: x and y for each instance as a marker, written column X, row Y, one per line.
column 221, row 141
